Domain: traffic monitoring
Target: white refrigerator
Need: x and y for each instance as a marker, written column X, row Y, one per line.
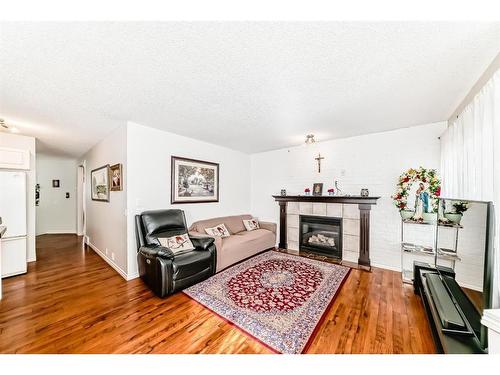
column 13, row 213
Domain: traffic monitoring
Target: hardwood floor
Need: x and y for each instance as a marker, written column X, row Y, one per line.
column 71, row 301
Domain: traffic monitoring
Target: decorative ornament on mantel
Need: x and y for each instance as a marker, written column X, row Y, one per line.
column 426, row 202
column 307, row 191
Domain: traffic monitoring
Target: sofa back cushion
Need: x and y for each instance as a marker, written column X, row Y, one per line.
column 233, row 223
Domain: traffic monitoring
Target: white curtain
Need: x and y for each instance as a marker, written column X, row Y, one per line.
column 470, row 158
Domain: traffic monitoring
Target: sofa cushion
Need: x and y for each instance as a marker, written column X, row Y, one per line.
column 243, row 245
column 177, row 244
column 251, row 224
column 219, row 230
column 233, row 223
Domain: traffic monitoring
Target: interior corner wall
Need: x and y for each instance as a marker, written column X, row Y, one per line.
column 149, row 154
column 373, row 161
column 55, row 213
column 26, row 143
column 106, row 222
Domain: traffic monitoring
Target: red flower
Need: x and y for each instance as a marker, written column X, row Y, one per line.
column 438, row 191
column 307, row 190
column 330, row 190
column 406, row 179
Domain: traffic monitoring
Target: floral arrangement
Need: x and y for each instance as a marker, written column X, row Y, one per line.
column 460, row 207
column 427, row 176
column 307, row 190
column 331, row 190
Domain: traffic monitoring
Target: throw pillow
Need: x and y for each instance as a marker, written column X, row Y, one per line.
column 251, row 224
column 177, row 244
column 219, row 230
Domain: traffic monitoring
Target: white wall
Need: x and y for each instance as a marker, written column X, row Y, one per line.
column 148, row 184
column 26, row 143
column 372, row 161
column 106, row 224
column 56, row 213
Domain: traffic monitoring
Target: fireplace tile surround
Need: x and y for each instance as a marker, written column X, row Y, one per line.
column 354, row 212
column 350, row 224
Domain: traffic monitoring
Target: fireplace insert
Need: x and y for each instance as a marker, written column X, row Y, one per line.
column 321, row 235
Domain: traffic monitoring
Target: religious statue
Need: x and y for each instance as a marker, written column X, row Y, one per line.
column 421, row 201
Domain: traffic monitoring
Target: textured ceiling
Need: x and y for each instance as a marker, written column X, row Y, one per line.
column 248, row 86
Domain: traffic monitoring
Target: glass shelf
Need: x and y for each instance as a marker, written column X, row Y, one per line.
column 444, row 225
column 444, row 254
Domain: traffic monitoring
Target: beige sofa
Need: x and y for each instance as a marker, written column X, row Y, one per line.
column 241, row 244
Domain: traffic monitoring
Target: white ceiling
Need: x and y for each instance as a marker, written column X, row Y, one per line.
column 248, row 86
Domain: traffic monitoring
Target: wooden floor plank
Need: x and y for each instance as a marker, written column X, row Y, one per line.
column 71, row 301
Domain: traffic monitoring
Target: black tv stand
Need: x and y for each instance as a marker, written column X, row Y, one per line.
column 453, row 319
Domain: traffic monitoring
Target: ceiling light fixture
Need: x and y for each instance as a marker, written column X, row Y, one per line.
column 310, row 139
column 3, row 124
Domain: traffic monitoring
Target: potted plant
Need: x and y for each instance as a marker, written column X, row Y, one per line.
column 456, row 215
column 307, row 191
column 429, row 217
column 331, row 191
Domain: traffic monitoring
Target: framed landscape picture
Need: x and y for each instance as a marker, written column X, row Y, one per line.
column 194, row 181
column 99, row 181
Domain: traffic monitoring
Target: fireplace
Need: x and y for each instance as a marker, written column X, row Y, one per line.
column 321, row 235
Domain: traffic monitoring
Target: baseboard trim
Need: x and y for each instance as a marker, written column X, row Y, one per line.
column 64, row 231
column 386, row 267
column 109, row 261
column 133, row 276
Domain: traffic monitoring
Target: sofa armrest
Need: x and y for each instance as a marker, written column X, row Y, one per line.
column 201, row 242
column 268, row 225
column 156, row 251
column 217, row 240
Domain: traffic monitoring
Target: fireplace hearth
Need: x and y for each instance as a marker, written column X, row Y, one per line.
column 321, row 235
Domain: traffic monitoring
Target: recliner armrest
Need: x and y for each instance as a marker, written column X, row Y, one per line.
column 156, row 251
column 203, row 242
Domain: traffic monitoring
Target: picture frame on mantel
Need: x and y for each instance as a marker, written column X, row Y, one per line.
column 318, row 189
column 194, row 181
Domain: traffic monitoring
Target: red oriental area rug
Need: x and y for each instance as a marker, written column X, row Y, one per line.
column 277, row 298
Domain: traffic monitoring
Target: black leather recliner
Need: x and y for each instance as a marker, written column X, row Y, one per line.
column 164, row 272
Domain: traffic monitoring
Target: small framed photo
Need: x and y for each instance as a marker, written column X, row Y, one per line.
column 194, row 181
column 55, row 183
column 116, row 178
column 99, row 183
column 318, row 189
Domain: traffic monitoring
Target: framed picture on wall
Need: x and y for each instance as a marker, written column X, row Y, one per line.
column 99, row 183
column 115, row 176
column 194, row 181
column 55, row 183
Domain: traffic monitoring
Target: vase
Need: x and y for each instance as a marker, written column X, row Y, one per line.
column 330, row 193
column 429, row 217
column 453, row 217
column 307, row 193
column 406, row 214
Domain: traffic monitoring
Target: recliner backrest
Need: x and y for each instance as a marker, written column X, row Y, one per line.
column 159, row 223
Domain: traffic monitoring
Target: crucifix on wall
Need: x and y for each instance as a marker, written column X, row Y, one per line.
column 318, row 159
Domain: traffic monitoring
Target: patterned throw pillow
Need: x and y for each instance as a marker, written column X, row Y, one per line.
column 219, row 230
column 251, row 224
column 177, row 244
